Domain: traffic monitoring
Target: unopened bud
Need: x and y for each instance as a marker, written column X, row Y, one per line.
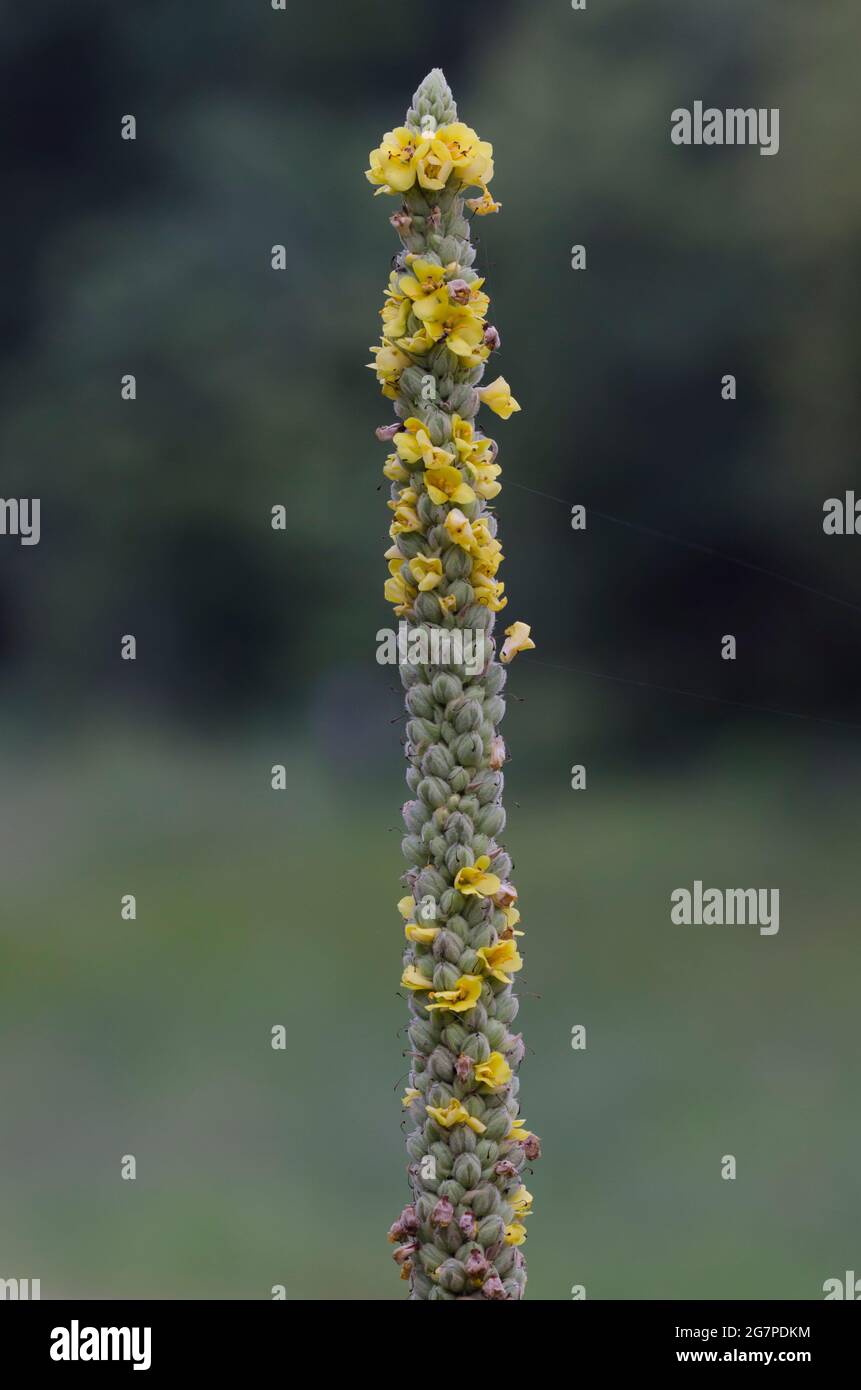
column 401, row 221
column 468, row 1225
column 404, row 1252
column 506, row 895
column 463, row 1067
column 443, row 1213
column 493, row 1287
column 497, row 752
column 458, row 290
column 476, row 1265
column 409, row 1220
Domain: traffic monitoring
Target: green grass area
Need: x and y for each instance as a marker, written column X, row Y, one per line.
column 257, row 1167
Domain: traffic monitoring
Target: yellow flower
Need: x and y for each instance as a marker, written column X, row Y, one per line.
column 406, row 519
column 472, row 158
column 407, row 497
column 500, row 958
column 409, row 1095
column 413, row 978
column 464, row 334
column 396, row 562
column 455, row 1113
column 398, row 593
column 499, row 398
column 484, row 476
column 459, row 529
column 447, row 602
column 414, row 445
column 493, row 1073
column 433, row 162
column 517, row 639
column 490, row 593
column 512, row 917
column 521, row 1203
column 465, row 994
column 406, row 907
column 445, row 484
column 425, row 286
column 418, row 343
column 391, row 163
column 423, row 936
column 388, row 364
column 395, row 311
column 426, row 571
column 474, row 879
column 483, row 205
column 394, row 470
column 462, row 435
column 517, row 1131
column 515, row 1234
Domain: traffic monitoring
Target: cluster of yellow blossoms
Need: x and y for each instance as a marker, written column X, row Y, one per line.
column 447, row 309
column 495, row 1072
column 405, row 157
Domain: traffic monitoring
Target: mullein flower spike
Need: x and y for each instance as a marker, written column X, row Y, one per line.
column 460, row 1236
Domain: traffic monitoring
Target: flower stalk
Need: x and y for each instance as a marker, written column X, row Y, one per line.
column 460, row 1236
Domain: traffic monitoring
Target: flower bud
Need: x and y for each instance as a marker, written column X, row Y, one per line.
column 405, row 1252
column 532, row 1147
column 443, row 1213
column 506, row 896
column 463, row 1067
column 458, row 291
column 493, row 1288
column 401, row 221
column 467, row 1223
column 476, row 1265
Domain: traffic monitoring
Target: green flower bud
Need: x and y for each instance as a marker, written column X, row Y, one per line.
column 451, row 902
column 413, row 849
column 465, row 714
column 490, row 820
column 468, row 750
column 437, row 762
column 467, row 1170
column 492, row 1229
column 452, row 1276
column 433, row 790
column 445, row 688
column 415, row 815
column 498, row 1125
column 420, row 702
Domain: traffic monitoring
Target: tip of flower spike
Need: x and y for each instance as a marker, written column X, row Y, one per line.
column 433, row 104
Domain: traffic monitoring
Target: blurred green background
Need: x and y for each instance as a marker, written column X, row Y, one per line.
column 256, row 908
